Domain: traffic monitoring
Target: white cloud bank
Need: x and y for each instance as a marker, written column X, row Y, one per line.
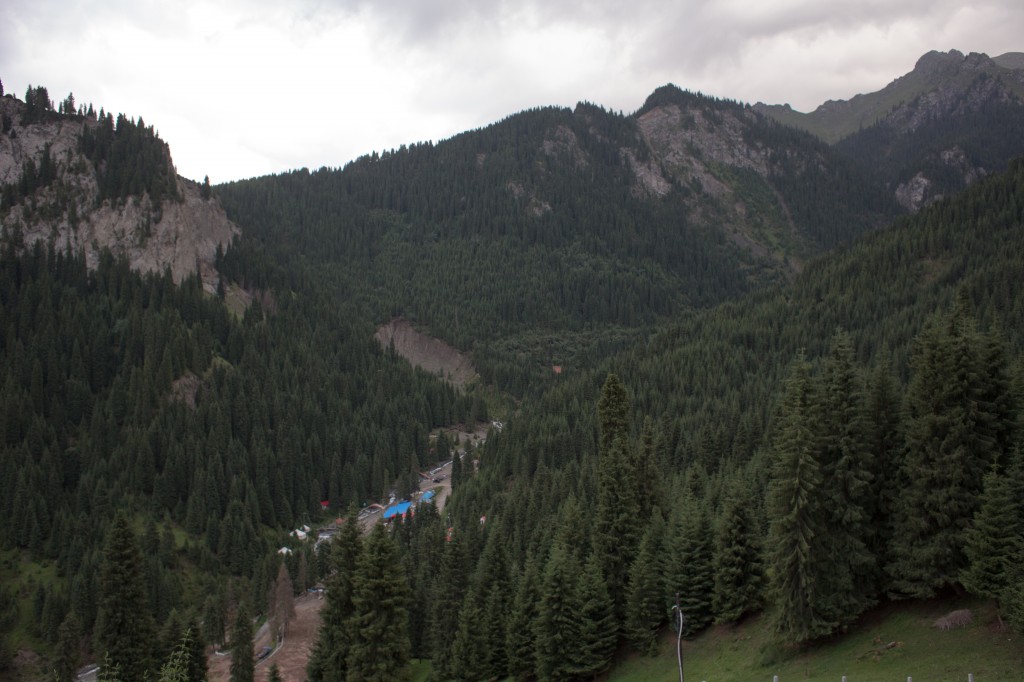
column 244, row 88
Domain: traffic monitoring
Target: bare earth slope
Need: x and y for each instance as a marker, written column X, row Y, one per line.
column 433, row 355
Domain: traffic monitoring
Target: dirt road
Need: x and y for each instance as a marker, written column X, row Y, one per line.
column 291, row 657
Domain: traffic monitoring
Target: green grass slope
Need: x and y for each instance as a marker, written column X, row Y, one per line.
column 889, row 644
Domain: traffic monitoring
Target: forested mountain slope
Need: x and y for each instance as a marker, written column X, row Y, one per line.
column 131, row 396
column 883, row 379
column 715, row 275
column 566, row 220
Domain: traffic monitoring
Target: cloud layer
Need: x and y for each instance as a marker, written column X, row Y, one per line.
column 246, row 88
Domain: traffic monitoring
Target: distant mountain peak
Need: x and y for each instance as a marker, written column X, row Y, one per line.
column 934, row 60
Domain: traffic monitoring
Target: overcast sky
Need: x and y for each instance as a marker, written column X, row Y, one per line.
column 240, row 88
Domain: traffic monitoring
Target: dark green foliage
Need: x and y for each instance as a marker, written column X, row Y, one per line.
column 520, row 651
column 952, row 439
column 1013, row 596
column 995, row 541
column 125, row 630
column 447, row 596
column 479, row 647
column 130, row 159
column 186, row 663
column 847, row 486
column 797, row 560
column 110, row 671
column 329, row 659
column 689, row 569
column 379, row 625
column 598, row 631
column 646, row 596
column 295, row 403
column 885, row 442
column 612, row 413
column 555, row 626
column 498, row 230
column 33, row 178
column 69, row 648
column 38, row 105
column 243, row 666
column 617, row 526
column 737, row 561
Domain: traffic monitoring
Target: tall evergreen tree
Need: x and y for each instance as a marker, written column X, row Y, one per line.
column 995, row 542
column 737, row 561
column 795, row 552
column 69, row 648
column 885, row 440
column 479, row 646
column 645, row 605
column 689, row 569
column 519, row 639
column 848, row 587
column 195, row 650
column 555, row 628
column 597, row 630
column 379, row 625
column 952, row 439
column 617, row 526
column 125, row 630
column 243, row 667
column 329, row 659
column 449, row 592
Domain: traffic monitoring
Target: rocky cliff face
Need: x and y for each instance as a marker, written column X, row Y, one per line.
column 177, row 234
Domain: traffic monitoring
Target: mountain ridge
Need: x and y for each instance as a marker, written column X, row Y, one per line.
column 835, row 119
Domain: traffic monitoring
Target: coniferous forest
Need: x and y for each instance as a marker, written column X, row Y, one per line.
column 804, row 431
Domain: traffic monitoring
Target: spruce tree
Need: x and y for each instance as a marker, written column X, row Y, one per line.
column 737, row 561
column 125, row 630
column 196, row 667
column 69, row 648
column 952, row 437
column 885, row 440
column 689, row 569
column 848, row 587
column 519, row 639
column 489, row 594
column 555, row 628
column 597, row 630
column 612, row 413
column 379, row 624
column 995, row 542
column 328, row 661
column 796, row 555
column 617, row 526
column 243, row 667
column 449, row 592
column 645, row 604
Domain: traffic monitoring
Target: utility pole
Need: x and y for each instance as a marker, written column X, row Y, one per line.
column 680, row 622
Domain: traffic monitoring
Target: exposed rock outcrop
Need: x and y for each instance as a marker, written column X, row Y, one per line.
column 180, row 234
